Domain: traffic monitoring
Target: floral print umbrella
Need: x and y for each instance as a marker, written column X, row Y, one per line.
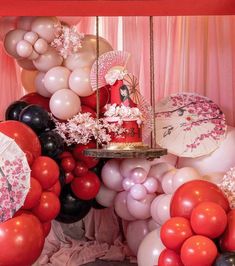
column 14, row 177
column 189, row 125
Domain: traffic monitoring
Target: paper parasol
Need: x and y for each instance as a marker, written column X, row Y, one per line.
column 14, row 177
column 105, row 62
column 189, row 125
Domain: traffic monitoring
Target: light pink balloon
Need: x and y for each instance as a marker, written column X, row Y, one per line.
column 120, row 205
column 127, row 183
column 150, row 249
column 31, row 37
column 158, row 170
column 140, row 209
column 24, row 48
column 64, row 104
column 11, row 40
column 138, row 175
column 24, row 23
column 70, row 20
column 138, row 192
column 57, row 78
column 111, row 175
column 39, row 85
column 45, row 27
column 79, row 82
column 221, row 160
column 160, row 208
column 184, row 175
column 169, row 158
column 215, row 178
column 26, row 64
column 136, row 231
column 167, row 181
column 151, row 184
column 6, row 24
column 128, row 165
column 33, row 56
column 41, row 46
column 152, row 225
column 48, row 60
column 106, row 196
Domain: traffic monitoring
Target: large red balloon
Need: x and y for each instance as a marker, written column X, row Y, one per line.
column 21, row 240
column 194, row 192
column 56, row 188
column 91, row 101
column 86, row 187
column 227, row 241
column 46, row 228
column 34, row 194
column 208, row 219
column 48, row 207
column 174, row 232
column 35, row 98
column 198, row 251
column 169, row 258
column 46, row 171
column 23, row 135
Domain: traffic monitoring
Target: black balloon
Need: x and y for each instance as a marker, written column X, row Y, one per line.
column 35, row 117
column 13, row 111
column 225, row 259
column 52, row 144
column 62, row 177
column 72, row 209
column 96, row 205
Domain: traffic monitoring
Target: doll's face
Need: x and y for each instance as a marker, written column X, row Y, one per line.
column 124, row 92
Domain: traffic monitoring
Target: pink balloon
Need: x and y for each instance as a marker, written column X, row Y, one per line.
column 45, row 27
column 79, row 82
column 184, row 175
column 128, row 165
column 152, row 225
column 140, row 209
column 138, row 175
column 215, row 178
column 150, row 249
column 24, row 23
column 41, row 46
column 169, row 158
column 24, row 48
column 70, row 20
column 160, row 208
column 151, row 184
column 106, row 196
column 33, row 56
column 120, row 205
column 26, row 64
column 48, row 60
column 39, row 85
column 111, row 175
column 221, row 160
column 6, row 24
column 57, row 78
column 11, row 40
column 127, row 183
column 136, row 231
column 64, row 104
column 158, row 170
column 138, row 192
column 167, row 181
column 31, row 37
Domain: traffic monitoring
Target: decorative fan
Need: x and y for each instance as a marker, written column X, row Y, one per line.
column 105, row 62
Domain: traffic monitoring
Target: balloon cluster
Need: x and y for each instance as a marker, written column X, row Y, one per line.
column 52, row 66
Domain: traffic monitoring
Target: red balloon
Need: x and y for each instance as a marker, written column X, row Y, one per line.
column 87, row 109
column 169, row 258
column 56, row 188
column 34, row 194
column 68, row 164
column 208, row 219
column 21, row 240
column 46, row 228
column 91, row 101
column 194, row 192
column 23, row 135
column 80, row 169
column 68, row 178
column 78, row 154
column 174, row 232
column 227, row 241
column 46, row 171
column 48, row 207
column 86, row 187
column 35, row 98
column 29, row 157
column 198, row 250
column 65, row 154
